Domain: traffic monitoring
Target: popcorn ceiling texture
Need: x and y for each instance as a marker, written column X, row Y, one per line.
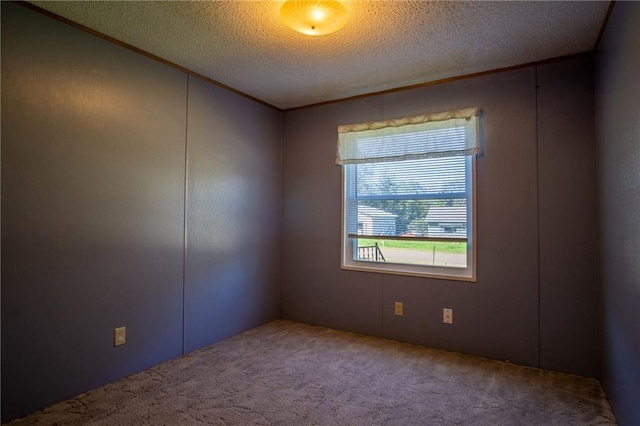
column 385, row 44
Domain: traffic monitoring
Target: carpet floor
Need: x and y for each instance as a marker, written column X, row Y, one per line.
column 287, row 373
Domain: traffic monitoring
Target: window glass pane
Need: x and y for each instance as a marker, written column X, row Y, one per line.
column 417, row 198
column 409, row 218
column 405, row 251
column 408, row 202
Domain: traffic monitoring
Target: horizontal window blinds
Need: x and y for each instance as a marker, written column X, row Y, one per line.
column 424, row 136
column 424, row 199
column 409, row 178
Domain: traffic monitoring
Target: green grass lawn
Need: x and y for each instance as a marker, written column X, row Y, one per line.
column 441, row 247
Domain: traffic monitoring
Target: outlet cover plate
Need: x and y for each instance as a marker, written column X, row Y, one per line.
column 398, row 309
column 447, row 315
column 119, row 336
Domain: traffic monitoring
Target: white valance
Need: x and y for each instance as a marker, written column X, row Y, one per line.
column 442, row 134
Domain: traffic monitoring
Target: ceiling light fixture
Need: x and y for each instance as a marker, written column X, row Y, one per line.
column 314, row 17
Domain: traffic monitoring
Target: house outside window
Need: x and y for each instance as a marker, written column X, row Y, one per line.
column 408, row 195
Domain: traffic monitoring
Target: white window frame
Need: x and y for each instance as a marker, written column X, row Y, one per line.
column 348, row 254
column 347, row 157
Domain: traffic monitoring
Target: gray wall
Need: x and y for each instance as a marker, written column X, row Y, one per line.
column 233, row 215
column 567, row 218
column 94, row 149
column 523, row 276
column 618, row 136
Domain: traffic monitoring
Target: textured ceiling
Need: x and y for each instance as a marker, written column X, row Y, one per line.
column 385, row 44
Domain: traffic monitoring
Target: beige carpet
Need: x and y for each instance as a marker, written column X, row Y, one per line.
column 288, row 373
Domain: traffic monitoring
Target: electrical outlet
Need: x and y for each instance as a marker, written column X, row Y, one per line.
column 398, row 309
column 447, row 316
column 119, row 336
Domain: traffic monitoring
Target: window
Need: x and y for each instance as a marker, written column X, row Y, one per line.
column 408, row 188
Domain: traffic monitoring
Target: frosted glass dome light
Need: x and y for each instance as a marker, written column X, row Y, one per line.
column 314, row 17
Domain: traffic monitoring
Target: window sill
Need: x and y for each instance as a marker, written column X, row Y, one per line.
column 400, row 270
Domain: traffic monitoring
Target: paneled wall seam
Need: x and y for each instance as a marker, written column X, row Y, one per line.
column 537, row 151
column 185, row 217
column 281, row 283
column 599, row 240
column 382, row 306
